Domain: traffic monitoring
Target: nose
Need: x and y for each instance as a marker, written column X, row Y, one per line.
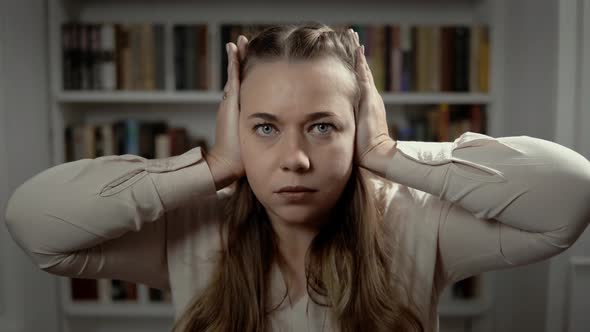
column 293, row 154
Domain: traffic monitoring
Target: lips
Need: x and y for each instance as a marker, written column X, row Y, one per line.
column 295, row 189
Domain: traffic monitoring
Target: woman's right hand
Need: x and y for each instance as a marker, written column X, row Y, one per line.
column 224, row 158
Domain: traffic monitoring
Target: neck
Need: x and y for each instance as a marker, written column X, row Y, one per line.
column 293, row 241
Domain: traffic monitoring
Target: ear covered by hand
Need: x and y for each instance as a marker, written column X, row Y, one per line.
column 371, row 128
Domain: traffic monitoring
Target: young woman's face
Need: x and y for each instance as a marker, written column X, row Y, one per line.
column 297, row 128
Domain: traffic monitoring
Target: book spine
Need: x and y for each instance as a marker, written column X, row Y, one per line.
column 67, row 35
column 85, row 57
column 435, row 59
column 225, row 38
column 89, row 141
column 190, row 56
column 179, row 61
column 447, row 59
column 136, row 57
column 108, row 74
column 203, row 63
column 461, row 59
column 104, row 291
column 473, row 58
column 132, row 139
column 163, row 146
column 160, row 74
column 95, row 55
column 407, row 40
column 483, row 56
column 76, row 56
column 108, row 144
column 147, row 57
column 396, row 60
column 83, row 289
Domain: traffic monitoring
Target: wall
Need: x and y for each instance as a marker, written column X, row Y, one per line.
column 573, row 130
column 29, row 295
column 530, row 101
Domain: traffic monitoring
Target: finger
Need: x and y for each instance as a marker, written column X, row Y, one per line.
column 355, row 37
column 242, row 47
column 233, row 84
column 361, row 67
column 367, row 68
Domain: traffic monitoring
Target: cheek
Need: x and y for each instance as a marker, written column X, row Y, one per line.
column 334, row 165
column 255, row 165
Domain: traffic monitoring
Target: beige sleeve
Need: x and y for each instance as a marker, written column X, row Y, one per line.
column 106, row 217
column 508, row 201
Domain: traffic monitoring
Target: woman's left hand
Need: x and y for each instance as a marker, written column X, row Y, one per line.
column 372, row 134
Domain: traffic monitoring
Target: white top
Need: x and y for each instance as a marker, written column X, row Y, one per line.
column 462, row 208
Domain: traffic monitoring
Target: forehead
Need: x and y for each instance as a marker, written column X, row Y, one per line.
column 297, row 87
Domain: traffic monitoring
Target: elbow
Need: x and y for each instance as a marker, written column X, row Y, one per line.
column 22, row 219
column 17, row 216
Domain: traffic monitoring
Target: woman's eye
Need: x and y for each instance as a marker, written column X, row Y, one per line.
column 323, row 128
column 264, row 129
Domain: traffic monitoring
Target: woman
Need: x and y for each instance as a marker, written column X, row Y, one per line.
column 307, row 238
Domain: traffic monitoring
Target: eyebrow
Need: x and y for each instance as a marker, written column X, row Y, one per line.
column 308, row 117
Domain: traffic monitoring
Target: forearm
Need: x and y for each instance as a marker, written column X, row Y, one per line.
column 379, row 159
column 82, row 203
column 528, row 183
column 221, row 173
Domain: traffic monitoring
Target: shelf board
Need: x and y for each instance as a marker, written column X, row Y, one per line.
column 119, row 310
column 456, row 308
column 436, row 98
column 463, row 308
column 214, row 97
column 580, row 261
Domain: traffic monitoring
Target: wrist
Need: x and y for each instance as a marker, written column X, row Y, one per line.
column 221, row 171
column 378, row 159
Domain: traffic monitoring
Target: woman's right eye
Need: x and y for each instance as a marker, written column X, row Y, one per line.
column 264, row 129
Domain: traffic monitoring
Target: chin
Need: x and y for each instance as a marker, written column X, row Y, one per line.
column 296, row 214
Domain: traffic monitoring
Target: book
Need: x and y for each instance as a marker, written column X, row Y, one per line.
column 83, row 289
column 123, row 291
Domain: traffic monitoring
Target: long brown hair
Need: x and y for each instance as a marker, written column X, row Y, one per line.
column 349, row 265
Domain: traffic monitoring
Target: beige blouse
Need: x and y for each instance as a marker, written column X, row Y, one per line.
column 460, row 208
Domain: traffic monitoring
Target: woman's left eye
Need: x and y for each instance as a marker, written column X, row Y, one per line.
column 323, row 128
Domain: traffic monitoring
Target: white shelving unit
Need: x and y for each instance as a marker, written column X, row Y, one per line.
column 196, row 110
column 213, row 97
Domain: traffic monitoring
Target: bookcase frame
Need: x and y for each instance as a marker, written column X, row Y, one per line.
column 69, row 106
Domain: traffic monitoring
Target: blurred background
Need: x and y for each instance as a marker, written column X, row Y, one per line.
column 81, row 79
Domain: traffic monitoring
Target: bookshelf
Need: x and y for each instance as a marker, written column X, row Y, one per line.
column 195, row 109
column 212, row 97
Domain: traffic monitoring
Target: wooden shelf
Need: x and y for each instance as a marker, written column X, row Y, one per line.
column 456, row 308
column 463, row 308
column 119, row 310
column 448, row 307
column 213, row 97
column 580, row 261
